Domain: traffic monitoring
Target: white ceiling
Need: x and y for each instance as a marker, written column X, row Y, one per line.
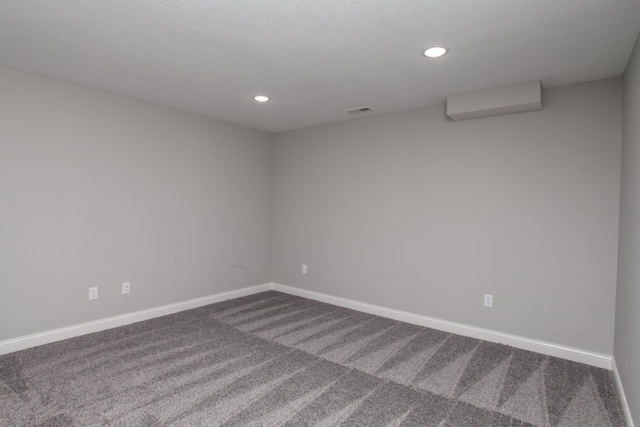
column 314, row 58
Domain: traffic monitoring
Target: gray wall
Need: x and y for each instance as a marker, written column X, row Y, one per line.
column 627, row 336
column 410, row 211
column 419, row 213
column 97, row 190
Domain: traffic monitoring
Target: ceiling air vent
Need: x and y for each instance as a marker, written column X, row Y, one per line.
column 358, row 110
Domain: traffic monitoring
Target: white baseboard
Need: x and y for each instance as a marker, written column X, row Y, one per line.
column 22, row 343
column 574, row 354
column 623, row 398
column 577, row 355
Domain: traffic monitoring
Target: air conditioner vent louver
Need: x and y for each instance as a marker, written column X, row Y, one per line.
column 358, row 110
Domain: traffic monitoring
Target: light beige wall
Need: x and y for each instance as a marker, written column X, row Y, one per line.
column 419, row 213
column 627, row 337
column 97, row 190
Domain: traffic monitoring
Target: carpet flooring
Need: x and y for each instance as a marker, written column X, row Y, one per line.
column 273, row 359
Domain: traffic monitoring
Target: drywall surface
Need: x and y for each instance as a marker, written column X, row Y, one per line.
column 627, row 337
column 98, row 190
column 419, row 213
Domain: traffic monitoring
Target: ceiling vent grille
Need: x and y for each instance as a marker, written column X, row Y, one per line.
column 358, row 110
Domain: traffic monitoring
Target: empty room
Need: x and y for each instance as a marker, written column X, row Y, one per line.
column 335, row 213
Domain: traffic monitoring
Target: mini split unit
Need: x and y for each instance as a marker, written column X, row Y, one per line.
column 492, row 102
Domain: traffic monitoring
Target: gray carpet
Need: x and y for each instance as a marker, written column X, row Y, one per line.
column 273, row 359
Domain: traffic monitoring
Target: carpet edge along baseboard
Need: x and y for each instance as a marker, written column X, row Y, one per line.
column 550, row 349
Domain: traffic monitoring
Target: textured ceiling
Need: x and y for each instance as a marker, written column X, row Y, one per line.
column 314, row 58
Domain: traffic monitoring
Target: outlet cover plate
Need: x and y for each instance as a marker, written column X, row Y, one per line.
column 488, row 300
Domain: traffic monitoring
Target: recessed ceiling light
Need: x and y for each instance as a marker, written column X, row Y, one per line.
column 435, row 51
column 261, row 98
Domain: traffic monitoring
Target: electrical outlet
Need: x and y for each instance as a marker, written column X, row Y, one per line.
column 304, row 269
column 126, row 288
column 488, row 300
column 93, row 293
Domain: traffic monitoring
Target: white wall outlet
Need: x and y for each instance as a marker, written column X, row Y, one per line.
column 93, row 293
column 304, row 268
column 126, row 288
column 488, row 300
